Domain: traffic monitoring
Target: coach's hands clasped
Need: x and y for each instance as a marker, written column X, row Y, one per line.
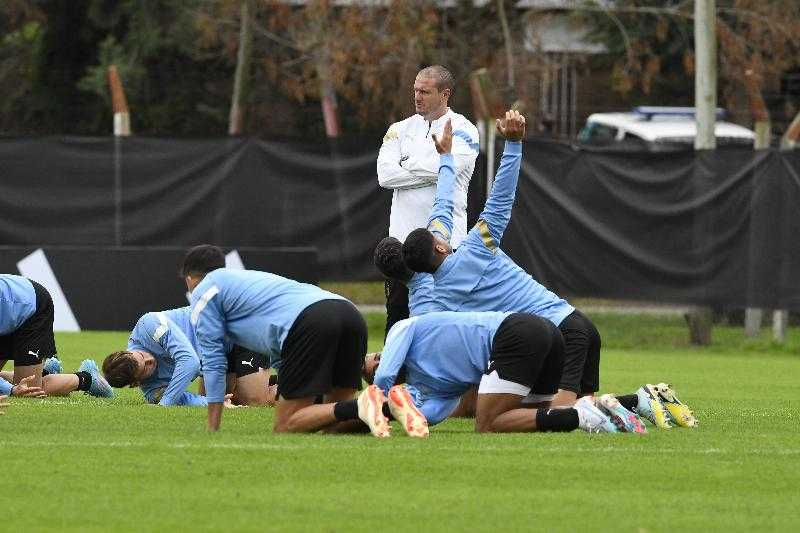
column 512, row 126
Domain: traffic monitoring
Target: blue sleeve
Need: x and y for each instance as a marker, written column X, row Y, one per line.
column 187, row 364
column 441, row 218
column 496, row 214
column 437, row 409
column 394, row 354
column 190, row 399
column 421, row 295
column 5, row 387
column 209, row 325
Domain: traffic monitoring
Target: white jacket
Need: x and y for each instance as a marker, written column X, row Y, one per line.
column 409, row 164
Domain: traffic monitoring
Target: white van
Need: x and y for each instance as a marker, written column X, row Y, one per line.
column 658, row 127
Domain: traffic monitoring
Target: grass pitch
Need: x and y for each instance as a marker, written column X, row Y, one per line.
column 82, row 464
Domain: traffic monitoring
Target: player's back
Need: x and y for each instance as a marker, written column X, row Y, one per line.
column 450, row 350
column 258, row 308
column 17, row 302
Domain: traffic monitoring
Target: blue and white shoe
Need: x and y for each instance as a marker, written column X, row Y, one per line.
column 625, row 421
column 591, row 419
column 52, row 365
column 99, row 387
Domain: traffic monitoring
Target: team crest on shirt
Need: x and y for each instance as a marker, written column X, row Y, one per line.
column 390, row 136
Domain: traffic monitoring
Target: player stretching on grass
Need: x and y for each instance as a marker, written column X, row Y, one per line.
column 441, row 355
column 26, row 337
column 318, row 338
column 162, row 360
column 479, row 276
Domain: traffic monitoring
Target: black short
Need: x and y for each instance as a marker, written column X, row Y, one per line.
column 582, row 354
column 528, row 350
column 33, row 341
column 396, row 303
column 324, row 350
column 244, row 362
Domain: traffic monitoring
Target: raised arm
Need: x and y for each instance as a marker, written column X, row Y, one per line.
column 426, row 163
column 209, row 324
column 496, row 214
column 440, row 220
column 393, row 175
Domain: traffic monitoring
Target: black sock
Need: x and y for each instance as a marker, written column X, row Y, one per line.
column 346, row 410
column 629, row 401
column 84, row 380
column 556, row 419
column 387, row 412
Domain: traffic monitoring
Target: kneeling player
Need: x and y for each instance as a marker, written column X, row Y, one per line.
column 507, row 355
column 26, row 337
column 318, row 338
column 162, row 360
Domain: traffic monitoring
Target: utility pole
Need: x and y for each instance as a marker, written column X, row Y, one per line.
column 705, row 97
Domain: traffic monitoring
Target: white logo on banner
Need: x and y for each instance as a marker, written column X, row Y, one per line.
column 232, row 260
column 36, row 267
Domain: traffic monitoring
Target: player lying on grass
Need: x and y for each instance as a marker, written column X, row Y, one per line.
column 161, row 359
column 317, row 338
column 26, row 337
column 441, row 355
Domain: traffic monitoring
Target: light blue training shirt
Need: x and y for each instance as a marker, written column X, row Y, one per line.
column 17, row 304
column 444, row 353
column 253, row 309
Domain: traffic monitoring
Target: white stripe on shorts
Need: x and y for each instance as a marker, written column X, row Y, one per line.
column 494, row 384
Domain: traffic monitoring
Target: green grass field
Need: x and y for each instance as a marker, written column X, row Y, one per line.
column 83, row 464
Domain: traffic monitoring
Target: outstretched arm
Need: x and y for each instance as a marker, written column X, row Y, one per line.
column 496, row 214
column 440, row 220
column 209, row 326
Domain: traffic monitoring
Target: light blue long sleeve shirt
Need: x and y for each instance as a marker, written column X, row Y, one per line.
column 17, row 302
column 5, row 387
column 169, row 337
column 444, row 353
column 479, row 276
column 253, row 309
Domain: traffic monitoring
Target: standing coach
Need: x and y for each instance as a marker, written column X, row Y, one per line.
column 409, row 165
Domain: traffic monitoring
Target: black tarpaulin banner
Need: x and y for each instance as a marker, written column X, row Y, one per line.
column 717, row 227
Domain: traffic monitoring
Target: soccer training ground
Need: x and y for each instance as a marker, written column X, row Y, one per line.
column 84, row 464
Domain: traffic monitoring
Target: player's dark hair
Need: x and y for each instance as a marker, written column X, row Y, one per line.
column 202, row 259
column 418, row 252
column 388, row 260
column 442, row 75
column 119, row 369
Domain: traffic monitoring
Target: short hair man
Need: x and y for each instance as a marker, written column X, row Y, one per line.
column 409, row 165
column 443, row 354
column 161, row 359
column 318, row 338
column 26, row 337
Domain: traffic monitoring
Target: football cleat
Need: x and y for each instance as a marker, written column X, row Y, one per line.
column 591, row 419
column 404, row 411
column 99, row 386
column 370, row 411
column 52, row 365
column 651, row 408
column 622, row 418
column 678, row 412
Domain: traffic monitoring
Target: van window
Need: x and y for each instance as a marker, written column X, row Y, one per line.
column 597, row 133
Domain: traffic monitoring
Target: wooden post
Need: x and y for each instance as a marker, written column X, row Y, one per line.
column 241, row 77
column 705, row 87
column 122, row 128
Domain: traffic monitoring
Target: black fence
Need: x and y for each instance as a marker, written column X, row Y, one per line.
column 715, row 228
